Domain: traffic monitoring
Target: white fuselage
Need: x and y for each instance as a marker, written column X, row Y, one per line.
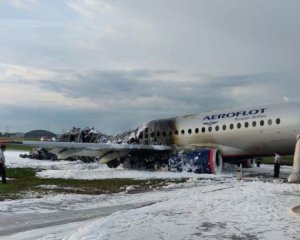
column 253, row 131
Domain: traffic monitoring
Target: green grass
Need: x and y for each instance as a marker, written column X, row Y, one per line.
column 23, row 182
column 17, row 147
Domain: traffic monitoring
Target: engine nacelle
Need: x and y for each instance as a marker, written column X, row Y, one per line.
column 198, row 161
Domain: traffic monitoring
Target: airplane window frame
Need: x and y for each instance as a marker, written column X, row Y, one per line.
column 217, row 128
column 141, row 135
column 190, row 131
column 278, row 121
column 270, row 122
column 238, row 125
column 224, row 127
column 231, row 126
column 246, row 124
column 197, row 130
column 254, row 123
column 203, row 129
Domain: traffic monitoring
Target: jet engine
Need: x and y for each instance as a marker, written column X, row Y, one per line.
column 197, row 161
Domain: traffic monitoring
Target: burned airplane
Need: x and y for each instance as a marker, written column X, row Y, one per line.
column 200, row 143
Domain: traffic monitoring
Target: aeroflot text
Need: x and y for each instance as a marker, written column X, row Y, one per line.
column 235, row 114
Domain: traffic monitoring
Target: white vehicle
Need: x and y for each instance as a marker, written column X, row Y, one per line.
column 208, row 138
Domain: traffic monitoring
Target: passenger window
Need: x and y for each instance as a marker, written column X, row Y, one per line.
column 217, row 128
column 141, row 136
column 231, row 126
column 239, row 125
column 182, row 132
column 270, row 122
column 203, row 129
column 254, row 124
column 262, row 122
column 190, row 131
column 224, row 127
column 197, row 130
column 278, row 121
column 176, row 132
column 246, row 124
column 209, row 128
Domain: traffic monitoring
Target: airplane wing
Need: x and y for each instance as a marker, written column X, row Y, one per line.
column 104, row 151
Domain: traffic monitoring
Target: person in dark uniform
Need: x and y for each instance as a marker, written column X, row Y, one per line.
column 276, row 165
column 2, row 163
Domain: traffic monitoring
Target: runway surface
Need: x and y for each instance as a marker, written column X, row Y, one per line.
column 205, row 207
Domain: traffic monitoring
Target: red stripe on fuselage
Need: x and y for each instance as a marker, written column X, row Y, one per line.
column 211, row 160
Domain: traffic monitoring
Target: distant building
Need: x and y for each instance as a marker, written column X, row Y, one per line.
column 40, row 134
column 12, row 135
column 19, row 134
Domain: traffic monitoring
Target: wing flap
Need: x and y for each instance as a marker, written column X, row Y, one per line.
column 112, row 155
column 104, row 151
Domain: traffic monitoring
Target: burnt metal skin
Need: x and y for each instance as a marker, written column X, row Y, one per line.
column 236, row 133
column 160, row 132
column 256, row 131
column 156, row 132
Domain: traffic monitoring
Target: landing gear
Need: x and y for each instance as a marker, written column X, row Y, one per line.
column 294, row 176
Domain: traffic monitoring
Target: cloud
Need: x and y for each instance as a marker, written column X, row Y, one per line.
column 15, row 72
column 115, row 64
column 91, row 9
column 24, row 4
column 116, row 100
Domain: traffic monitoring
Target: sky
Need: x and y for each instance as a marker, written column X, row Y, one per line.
column 115, row 64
